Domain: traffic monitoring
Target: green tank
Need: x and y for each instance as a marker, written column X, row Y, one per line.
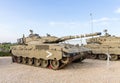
column 48, row 51
column 103, row 45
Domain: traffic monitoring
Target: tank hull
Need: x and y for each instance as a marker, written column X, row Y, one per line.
column 52, row 56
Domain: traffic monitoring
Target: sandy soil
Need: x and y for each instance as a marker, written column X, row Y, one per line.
column 89, row 71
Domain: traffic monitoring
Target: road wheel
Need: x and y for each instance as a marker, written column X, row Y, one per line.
column 54, row 64
column 65, row 60
column 114, row 57
column 93, row 56
column 37, row 62
column 24, row 60
column 44, row 63
column 102, row 57
column 19, row 59
column 30, row 61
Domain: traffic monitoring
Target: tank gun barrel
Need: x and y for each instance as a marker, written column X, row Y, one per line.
column 78, row 36
column 93, row 34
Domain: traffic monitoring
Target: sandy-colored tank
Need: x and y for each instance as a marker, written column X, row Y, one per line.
column 47, row 51
column 103, row 45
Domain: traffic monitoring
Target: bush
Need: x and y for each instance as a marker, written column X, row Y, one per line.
column 5, row 54
column 5, row 49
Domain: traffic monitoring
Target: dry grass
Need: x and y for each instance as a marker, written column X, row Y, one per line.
column 89, row 71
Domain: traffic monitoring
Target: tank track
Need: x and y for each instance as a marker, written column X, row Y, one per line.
column 51, row 64
column 114, row 57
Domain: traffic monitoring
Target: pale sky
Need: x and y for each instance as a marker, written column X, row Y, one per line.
column 57, row 17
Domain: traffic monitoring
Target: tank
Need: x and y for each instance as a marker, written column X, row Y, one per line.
column 103, row 45
column 48, row 51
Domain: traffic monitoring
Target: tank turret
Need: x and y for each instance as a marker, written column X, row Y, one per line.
column 36, row 39
column 106, row 39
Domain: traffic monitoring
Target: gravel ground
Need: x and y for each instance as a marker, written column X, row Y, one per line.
column 89, row 71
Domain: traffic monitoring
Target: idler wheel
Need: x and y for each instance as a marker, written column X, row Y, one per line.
column 113, row 57
column 55, row 64
column 19, row 59
column 93, row 56
column 102, row 57
column 37, row 62
column 24, row 60
column 30, row 61
column 44, row 63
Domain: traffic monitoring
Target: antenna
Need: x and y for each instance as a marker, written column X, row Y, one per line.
column 91, row 23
